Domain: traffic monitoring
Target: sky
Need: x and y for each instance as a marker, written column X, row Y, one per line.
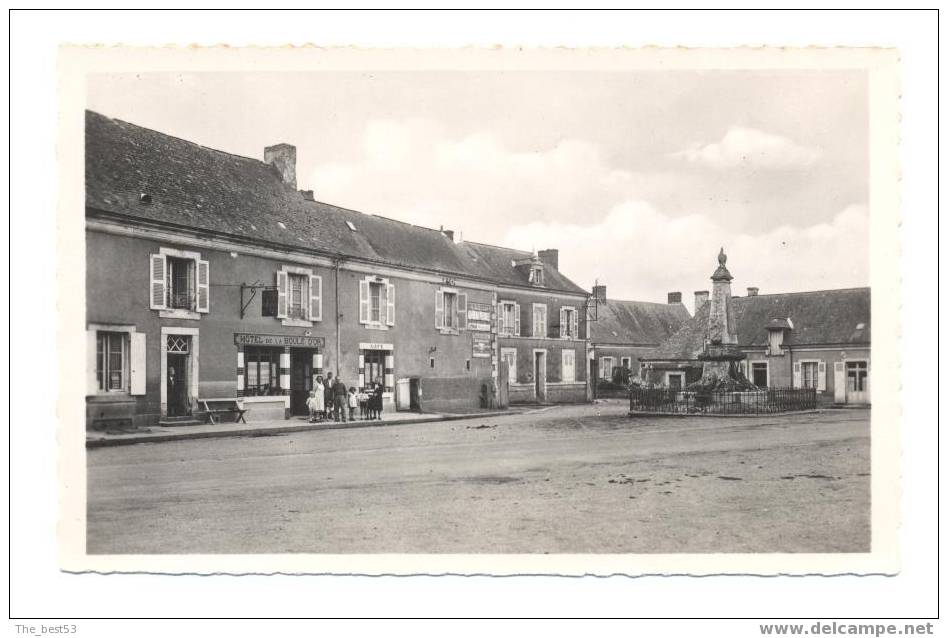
column 637, row 177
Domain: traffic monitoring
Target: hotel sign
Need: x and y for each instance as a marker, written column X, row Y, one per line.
column 479, row 316
column 281, row 341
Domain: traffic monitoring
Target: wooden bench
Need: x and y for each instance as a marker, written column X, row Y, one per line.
column 222, row 406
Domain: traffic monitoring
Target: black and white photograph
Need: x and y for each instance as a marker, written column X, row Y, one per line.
column 494, row 311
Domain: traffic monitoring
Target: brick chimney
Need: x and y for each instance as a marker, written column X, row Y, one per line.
column 599, row 293
column 701, row 297
column 752, row 291
column 283, row 158
column 674, row 297
column 550, row 257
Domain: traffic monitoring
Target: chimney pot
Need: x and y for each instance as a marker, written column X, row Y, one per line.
column 308, row 196
column 752, row 291
column 674, row 297
column 701, row 297
column 283, row 158
column 550, row 257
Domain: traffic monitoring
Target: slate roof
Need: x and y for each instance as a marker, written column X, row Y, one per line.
column 823, row 317
column 636, row 323
column 198, row 188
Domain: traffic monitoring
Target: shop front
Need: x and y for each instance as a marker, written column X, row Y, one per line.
column 275, row 373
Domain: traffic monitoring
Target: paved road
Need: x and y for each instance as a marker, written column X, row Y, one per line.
column 570, row 479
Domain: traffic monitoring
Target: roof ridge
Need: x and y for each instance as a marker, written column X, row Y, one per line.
column 803, row 292
column 180, row 139
column 481, row 243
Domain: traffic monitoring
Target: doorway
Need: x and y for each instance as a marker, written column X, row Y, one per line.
column 539, row 375
column 759, row 373
column 301, row 379
column 414, row 394
column 857, row 382
column 676, row 380
column 178, row 383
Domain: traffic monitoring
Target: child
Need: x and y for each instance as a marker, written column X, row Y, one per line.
column 363, row 404
column 353, row 403
column 314, row 407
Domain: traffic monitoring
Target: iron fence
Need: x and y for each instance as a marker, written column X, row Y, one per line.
column 762, row 401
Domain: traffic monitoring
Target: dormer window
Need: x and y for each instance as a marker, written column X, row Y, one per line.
column 776, row 331
column 536, row 275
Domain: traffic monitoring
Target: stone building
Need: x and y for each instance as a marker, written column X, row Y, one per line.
column 212, row 276
column 624, row 331
column 818, row 339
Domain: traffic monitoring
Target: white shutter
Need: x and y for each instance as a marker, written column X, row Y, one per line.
column 203, row 286
column 462, row 311
column 315, row 298
column 383, row 303
column 839, row 382
column 574, row 319
column 363, row 301
column 821, row 376
column 797, row 375
column 501, row 329
column 137, row 363
column 439, row 309
column 159, row 271
column 282, row 294
column 390, row 314
column 516, row 319
column 92, row 362
column 562, row 323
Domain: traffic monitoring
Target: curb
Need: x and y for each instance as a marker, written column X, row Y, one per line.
column 287, row 429
column 633, row 413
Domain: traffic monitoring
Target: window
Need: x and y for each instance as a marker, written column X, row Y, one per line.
column 375, row 366
column 857, row 373
column 112, row 361
column 539, row 320
column 759, row 374
column 675, row 380
column 509, row 318
column 509, row 356
column 376, row 303
column 536, row 275
column 450, row 310
column 627, row 363
column 605, row 367
column 299, row 296
column 568, row 322
column 180, row 283
column 809, row 374
column 262, row 371
column 569, row 366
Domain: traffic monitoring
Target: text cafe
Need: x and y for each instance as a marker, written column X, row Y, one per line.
column 279, row 366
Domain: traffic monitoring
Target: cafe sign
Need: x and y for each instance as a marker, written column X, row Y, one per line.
column 279, row 341
column 479, row 316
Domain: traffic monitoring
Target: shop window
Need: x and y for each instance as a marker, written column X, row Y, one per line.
column 509, row 318
column 375, row 366
column 262, row 371
column 539, row 320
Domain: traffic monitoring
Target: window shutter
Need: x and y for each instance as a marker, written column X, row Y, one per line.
column 282, row 293
column 315, row 298
column 439, row 309
column 137, row 363
column 839, row 382
column 462, row 311
column 821, row 376
column 203, row 286
column 92, row 362
column 574, row 320
column 363, row 301
column 383, row 303
column 158, row 274
column 390, row 320
column 500, row 318
column 797, row 376
column 516, row 327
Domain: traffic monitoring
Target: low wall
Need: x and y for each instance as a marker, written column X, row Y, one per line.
column 266, row 408
column 555, row 393
column 446, row 394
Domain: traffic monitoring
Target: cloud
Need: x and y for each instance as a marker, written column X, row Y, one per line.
column 751, row 148
column 642, row 254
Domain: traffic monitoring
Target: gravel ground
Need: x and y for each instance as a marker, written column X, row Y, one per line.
column 577, row 479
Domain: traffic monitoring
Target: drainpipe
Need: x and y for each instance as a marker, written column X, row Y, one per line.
column 338, row 264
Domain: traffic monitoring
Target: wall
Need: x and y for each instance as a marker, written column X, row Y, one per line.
column 451, row 394
column 781, row 367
